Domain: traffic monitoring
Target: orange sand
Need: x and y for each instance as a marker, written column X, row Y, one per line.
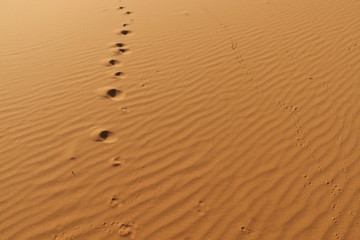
column 229, row 120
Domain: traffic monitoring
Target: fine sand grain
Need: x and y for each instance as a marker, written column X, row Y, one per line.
column 180, row 120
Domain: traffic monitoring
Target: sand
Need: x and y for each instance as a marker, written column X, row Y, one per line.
column 189, row 120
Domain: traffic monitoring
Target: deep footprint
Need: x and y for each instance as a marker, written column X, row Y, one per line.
column 119, row 44
column 113, row 62
column 118, row 74
column 125, row 32
column 103, row 135
column 113, row 92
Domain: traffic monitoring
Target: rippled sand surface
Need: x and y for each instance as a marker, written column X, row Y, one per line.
column 189, row 120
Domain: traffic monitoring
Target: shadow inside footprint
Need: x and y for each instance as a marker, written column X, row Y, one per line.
column 113, row 62
column 119, row 44
column 114, row 202
column 113, row 92
column 103, row 135
column 125, row 32
column 121, row 7
column 122, row 50
column 118, row 74
column 128, row 13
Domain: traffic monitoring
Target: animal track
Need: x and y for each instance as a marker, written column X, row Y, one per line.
column 118, row 74
column 119, row 44
column 116, row 161
column 115, row 201
column 126, row 230
column 201, row 208
column 246, row 231
column 125, row 109
column 307, row 181
column 128, row 13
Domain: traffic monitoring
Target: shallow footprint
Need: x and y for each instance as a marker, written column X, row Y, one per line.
column 202, row 208
column 115, row 201
column 126, row 230
column 116, row 162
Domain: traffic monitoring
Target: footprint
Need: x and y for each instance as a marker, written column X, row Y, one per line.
column 119, row 44
column 115, row 201
column 123, row 50
column 125, row 32
column 111, row 93
column 113, row 62
column 120, row 7
column 115, row 94
column 118, row 74
column 246, row 231
column 202, row 208
column 103, row 135
column 126, row 230
column 128, row 13
column 125, row 109
column 116, row 162
column 125, row 25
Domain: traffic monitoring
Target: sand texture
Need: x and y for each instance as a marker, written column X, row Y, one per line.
column 180, row 120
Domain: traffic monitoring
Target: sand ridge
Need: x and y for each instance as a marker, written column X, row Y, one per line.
column 180, row 120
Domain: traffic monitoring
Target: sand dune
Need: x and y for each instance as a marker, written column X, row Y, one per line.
column 180, row 120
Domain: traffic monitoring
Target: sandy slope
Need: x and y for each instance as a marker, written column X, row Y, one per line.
column 228, row 120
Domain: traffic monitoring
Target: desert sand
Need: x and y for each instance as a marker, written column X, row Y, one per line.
column 189, row 120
